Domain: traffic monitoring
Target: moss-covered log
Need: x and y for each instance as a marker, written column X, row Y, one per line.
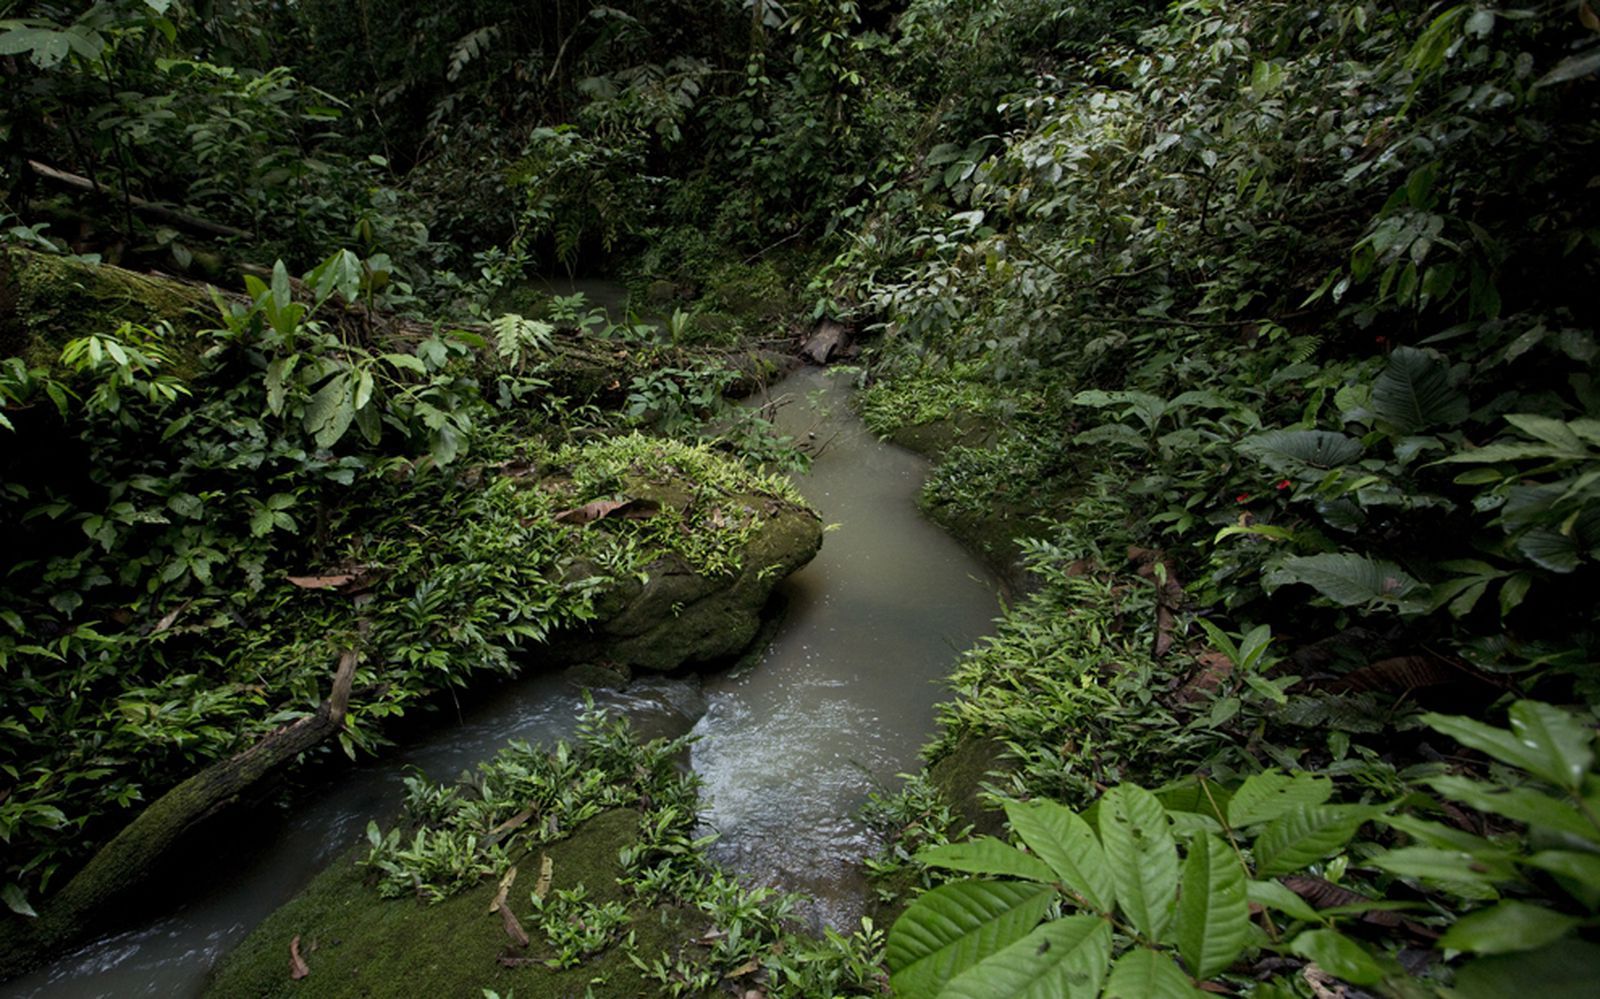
column 124, row 863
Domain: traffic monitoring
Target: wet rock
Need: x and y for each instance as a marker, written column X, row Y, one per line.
column 830, row 341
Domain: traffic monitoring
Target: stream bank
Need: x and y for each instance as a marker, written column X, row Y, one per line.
column 789, row 749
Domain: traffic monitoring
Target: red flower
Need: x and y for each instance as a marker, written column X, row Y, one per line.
column 1283, row 484
column 1242, row 498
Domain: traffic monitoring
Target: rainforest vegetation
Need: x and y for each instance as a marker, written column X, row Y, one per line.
column 1254, row 343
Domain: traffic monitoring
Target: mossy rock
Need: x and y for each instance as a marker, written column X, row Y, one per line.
column 357, row 944
column 679, row 616
column 958, row 776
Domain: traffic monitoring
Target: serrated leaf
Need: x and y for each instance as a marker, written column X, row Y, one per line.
column 987, row 855
column 954, row 926
column 1063, row 959
column 1413, row 392
column 1065, row 842
column 1339, row 956
column 1306, row 834
column 1506, row 928
column 1269, row 794
column 1213, row 911
column 1142, row 855
column 1142, row 973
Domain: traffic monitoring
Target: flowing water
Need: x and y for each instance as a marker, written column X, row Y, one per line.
column 789, row 748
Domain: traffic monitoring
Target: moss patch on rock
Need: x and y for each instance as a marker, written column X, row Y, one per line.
column 357, row 944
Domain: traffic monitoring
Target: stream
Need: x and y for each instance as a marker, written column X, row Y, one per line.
column 788, row 748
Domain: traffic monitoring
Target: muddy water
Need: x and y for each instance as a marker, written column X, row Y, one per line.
column 844, row 698
column 789, row 748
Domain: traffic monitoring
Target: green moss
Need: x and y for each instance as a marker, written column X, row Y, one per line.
column 958, row 776
column 47, row 300
column 359, row 945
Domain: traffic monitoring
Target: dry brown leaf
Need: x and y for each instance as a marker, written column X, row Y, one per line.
column 546, row 871
column 633, row 509
column 1154, row 565
column 170, row 618
column 505, row 886
column 298, row 968
column 513, row 927
column 1214, row 667
column 743, row 969
column 322, row 582
column 1398, row 675
column 516, row 821
column 1587, row 18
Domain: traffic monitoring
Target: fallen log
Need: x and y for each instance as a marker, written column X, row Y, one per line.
column 125, row 862
column 143, row 206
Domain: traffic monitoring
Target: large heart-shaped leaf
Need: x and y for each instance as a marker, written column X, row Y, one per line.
column 1413, row 392
column 1293, row 450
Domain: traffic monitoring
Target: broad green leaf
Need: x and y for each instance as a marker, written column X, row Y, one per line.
column 1063, row 959
column 1213, row 911
column 1446, row 865
column 1560, row 743
column 1289, row 451
column 1413, row 392
column 987, row 855
column 1507, row 927
column 954, row 926
column 1498, row 743
column 1578, row 873
column 16, row 901
column 407, row 362
column 1065, row 842
column 1269, row 794
column 1142, row 973
column 1347, row 579
column 1437, row 834
column 1339, row 956
column 1306, row 834
column 1572, row 67
column 1273, row 895
column 1142, row 855
column 1499, row 452
column 1548, row 429
column 1566, row 970
column 1550, row 549
column 1521, row 804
